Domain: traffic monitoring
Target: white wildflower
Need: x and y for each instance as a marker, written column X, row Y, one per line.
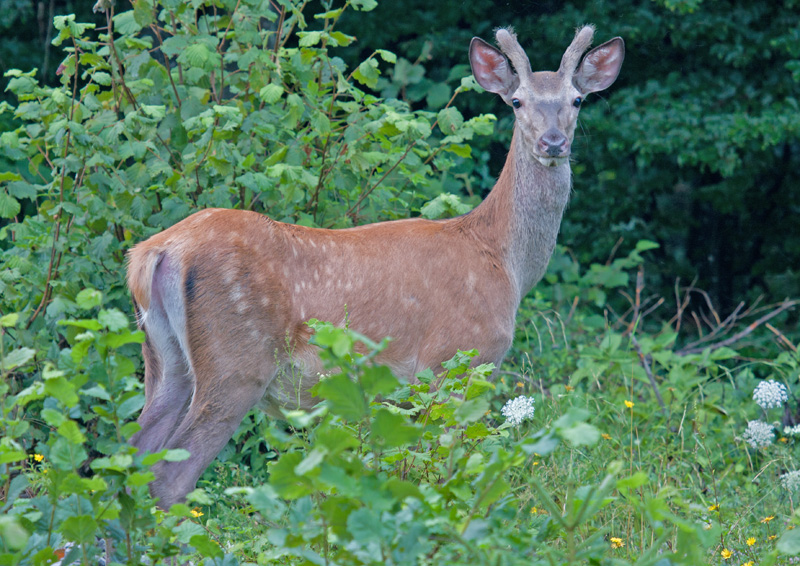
column 518, row 409
column 791, row 480
column 791, row 430
column 770, row 394
column 759, row 434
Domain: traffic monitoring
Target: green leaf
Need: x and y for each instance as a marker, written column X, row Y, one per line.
column 206, row 546
column 18, row 357
column 789, row 543
column 271, row 93
column 378, row 380
column 113, row 319
column 67, row 456
column 581, row 434
column 367, row 73
column 62, row 390
column 471, row 411
column 344, row 396
column 12, row 533
column 176, row 455
column 9, row 320
column 79, row 529
column 391, row 430
column 309, row 38
column 70, row 431
column 89, row 298
column 450, row 120
column 9, row 206
column 283, row 478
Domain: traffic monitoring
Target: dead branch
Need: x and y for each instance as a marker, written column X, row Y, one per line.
column 787, row 304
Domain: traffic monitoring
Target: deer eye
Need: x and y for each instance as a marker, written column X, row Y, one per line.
column 515, row 102
column 577, row 102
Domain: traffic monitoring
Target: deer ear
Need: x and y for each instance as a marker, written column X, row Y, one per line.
column 600, row 67
column 492, row 70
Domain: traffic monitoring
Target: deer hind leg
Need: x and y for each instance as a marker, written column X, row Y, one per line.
column 227, row 349
column 169, row 381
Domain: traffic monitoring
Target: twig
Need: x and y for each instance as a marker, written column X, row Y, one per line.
column 781, row 338
column 739, row 335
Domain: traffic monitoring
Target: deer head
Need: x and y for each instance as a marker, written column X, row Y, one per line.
column 546, row 103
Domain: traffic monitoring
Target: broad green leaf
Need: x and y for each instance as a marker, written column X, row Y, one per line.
column 344, row 396
column 789, row 543
column 471, row 411
column 89, row 298
column 9, row 206
column 390, row 430
column 80, row 529
column 18, row 357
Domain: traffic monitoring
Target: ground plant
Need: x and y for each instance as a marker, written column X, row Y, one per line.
column 623, row 428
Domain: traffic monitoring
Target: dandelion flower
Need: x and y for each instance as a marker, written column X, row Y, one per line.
column 38, row 457
column 759, row 434
column 767, row 519
column 726, row 553
column 629, row 404
column 791, row 480
column 518, row 409
column 751, row 541
column 770, row 394
column 617, row 542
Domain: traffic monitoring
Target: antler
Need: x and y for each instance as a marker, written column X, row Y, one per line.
column 572, row 56
column 507, row 40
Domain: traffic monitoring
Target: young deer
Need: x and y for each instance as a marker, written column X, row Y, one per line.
column 223, row 296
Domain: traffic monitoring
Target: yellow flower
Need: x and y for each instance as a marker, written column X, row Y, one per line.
column 749, row 563
column 767, row 519
column 726, row 553
column 520, row 384
column 629, row 404
column 534, row 510
column 606, row 436
column 38, row 457
column 569, row 388
column 772, row 537
column 751, row 541
column 617, row 542
column 196, row 513
column 713, row 507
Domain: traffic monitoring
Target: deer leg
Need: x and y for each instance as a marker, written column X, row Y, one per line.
column 216, row 409
column 168, row 378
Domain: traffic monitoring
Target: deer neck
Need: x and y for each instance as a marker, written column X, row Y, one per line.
column 522, row 214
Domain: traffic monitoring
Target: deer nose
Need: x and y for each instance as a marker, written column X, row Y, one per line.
column 554, row 143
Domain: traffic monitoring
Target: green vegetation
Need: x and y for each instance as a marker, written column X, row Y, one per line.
column 640, row 449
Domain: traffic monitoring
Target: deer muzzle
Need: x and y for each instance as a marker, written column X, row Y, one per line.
column 554, row 143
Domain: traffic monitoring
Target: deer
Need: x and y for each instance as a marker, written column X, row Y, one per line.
column 224, row 295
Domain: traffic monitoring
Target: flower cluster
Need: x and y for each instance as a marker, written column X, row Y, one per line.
column 759, row 434
column 518, row 409
column 791, row 480
column 770, row 394
column 791, row 430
